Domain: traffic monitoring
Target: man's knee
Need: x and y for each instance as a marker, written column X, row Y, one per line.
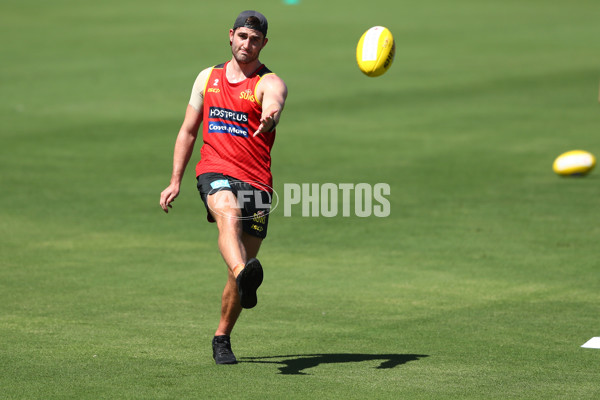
column 224, row 207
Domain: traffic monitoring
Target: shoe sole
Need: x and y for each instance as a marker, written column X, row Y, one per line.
column 228, row 362
column 248, row 282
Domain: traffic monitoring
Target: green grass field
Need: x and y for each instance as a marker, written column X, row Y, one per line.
column 483, row 282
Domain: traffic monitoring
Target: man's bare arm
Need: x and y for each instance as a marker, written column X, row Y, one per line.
column 274, row 93
column 184, row 146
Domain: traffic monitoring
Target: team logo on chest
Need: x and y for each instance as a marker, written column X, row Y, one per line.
column 248, row 95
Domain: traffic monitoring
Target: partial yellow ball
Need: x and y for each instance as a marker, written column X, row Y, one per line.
column 375, row 51
column 575, row 162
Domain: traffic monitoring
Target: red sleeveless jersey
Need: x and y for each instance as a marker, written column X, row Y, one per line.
column 231, row 115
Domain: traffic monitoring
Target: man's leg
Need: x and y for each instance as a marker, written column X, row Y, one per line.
column 227, row 214
column 236, row 247
column 231, row 309
column 223, row 206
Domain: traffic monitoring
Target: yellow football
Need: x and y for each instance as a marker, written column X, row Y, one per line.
column 575, row 162
column 375, row 51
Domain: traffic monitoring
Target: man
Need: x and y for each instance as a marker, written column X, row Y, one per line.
column 239, row 103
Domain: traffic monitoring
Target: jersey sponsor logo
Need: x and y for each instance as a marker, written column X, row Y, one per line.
column 248, row 95
column 228, row 115
column 213, row 90
column 224, row 127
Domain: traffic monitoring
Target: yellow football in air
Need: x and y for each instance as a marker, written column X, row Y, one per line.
column 375, row 51
column 575, row 162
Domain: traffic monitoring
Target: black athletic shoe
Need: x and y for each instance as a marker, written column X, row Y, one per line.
column 222, row 350
column 248, row 282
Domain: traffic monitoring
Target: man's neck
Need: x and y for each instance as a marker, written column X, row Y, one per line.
column 238, row 72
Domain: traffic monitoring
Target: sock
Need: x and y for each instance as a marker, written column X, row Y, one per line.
column 237, row 268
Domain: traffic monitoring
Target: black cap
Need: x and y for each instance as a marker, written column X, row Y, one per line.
column 262, row 26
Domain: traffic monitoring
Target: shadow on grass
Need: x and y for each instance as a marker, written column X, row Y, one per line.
column 295, row 364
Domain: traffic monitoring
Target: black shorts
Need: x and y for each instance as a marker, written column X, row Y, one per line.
column 255, row 204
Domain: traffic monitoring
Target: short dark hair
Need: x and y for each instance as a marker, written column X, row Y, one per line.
column 252, row 23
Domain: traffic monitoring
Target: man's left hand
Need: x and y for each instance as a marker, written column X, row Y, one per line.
column 267, row 123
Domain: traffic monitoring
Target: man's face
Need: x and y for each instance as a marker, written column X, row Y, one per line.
column 246, row 44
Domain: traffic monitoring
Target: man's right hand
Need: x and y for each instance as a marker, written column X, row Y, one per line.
column 168, row 196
